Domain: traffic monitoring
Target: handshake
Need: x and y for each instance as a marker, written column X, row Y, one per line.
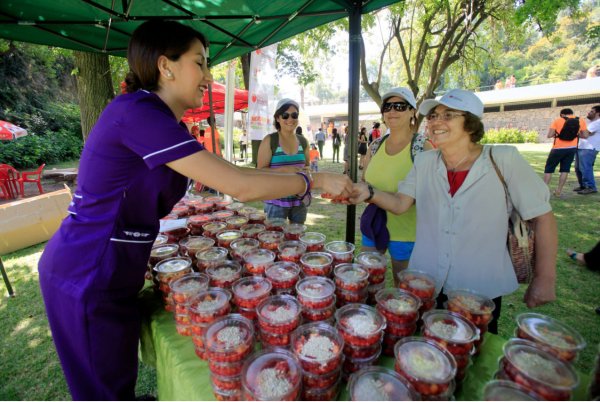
column 355, row 194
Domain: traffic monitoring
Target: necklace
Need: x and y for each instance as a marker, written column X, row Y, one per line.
column 453, row 169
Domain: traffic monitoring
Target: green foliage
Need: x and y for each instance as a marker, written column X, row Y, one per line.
column 509, row 136
column 543, row 13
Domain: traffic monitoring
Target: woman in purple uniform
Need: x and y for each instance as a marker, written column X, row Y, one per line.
column 134, row 167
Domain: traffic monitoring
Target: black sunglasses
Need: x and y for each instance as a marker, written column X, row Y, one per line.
column 397, row 106
column 286, row 115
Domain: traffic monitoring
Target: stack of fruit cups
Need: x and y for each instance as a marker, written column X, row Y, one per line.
column 248, row 292
column 293, row 231
column 204, row 207
column 196, row 222
column 475, row 308
column 362, row 328
column 502, row 390
column 168, row 271
column 174, row 235
column 236, row 222
column 224, row 274
column 256, row 261
column 278, row 317
column 257, row 218
column 247, row 210
column 252, row 230
column 239, row 247
column 351, row 281
column 421, row 285
column 537, row 370
column 283, row 276
column 427, row 366
column 341, row 251
column 291, row 250
column 204, row 308
column 271, row 375
column 594, row 388
column 211, row 229
column 182, row 210
column 316, row 295
column 401, row 311
column 376, row 264
column 318, row 347
column 235, row 207
column 455, row 333
column 314, row 241
column 183, row 291
column 193, row 201
column 552, row 335
column 225, row 237
column 210, row 257
column 222, row 215
column 229, row 341
column 270, row 239
column 275, row 224
column 159, row 253
column 380, row 384
column 213, row 199
column 316, row 263
column 190, row 245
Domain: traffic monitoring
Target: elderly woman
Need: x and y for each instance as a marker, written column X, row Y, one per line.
column 285, row 151
column 462, row 216
column 388, row 162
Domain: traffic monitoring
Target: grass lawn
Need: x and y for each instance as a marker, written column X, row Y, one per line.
column 30, row 370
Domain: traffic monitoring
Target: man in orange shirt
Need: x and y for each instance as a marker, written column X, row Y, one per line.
column 564, row 149
column 208, row 141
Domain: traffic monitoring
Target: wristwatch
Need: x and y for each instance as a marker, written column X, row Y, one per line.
column 371, row 192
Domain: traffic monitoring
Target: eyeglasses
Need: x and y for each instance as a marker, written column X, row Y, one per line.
column 397, row 106
column 446, row 116
column 286, row 115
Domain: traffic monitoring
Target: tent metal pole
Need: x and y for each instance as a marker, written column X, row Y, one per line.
column 353, row 98
column 11, row 292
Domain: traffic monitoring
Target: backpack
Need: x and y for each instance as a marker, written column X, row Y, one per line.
column 274, row 141
column 336, row 140
column 570, row 129
column 417, row 144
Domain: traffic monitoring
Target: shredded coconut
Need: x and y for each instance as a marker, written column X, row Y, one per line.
column 224, row 273
column 272, row 384
column 418, row 283
column 352, row 275
column 208, row 305
column 230, row 336
column 443, row 330
column 555, row 338
column 538, row 367
column 400, row 305
column 362, row 325
column 280, row 314
column 318, row 347
column 471, row 303
column 314, row 290
column 425, row 363
column 371, row 389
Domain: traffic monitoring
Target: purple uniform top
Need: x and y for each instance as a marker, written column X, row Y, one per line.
column 124, row 187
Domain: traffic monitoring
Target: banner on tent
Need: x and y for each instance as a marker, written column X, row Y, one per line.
column 262, row 79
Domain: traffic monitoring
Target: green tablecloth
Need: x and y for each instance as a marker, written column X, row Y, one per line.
column 181, row 375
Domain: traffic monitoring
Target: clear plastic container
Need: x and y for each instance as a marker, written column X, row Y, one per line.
column 176, row 234
column 160, row 240
column 234, row 395
column 239, row 247
column 225, row 368
column 271, row 374
column 182, row 211
column 213, row 199
column 360, row 325
column 226, row 383
column 257, row 217
column 398, row 306
column 211, row 229
column 184, row 288
column 502, row 390
column 293, row 231
column 318, row 347
column 275, row 224
column 315, row 292
column 235, row 207
column 211, row 257
column 341, row 251
column 225, row 237
column 283, row 274
column 375, row 263
column 223, row 204
column 538, row 371
column 418, row 283
column 316, row 263
column 380, row 384
column 252, row 230
column 291, row 250
column 349, row 296
column 196, row 222
column 363, row 352
column 209, row 305
column 372, row 290
column 236, row 222
column 425, row 364
column 321, row 394
column 189, row 246
column 475, row 307
column 351, row 277
column 321, row 381
column 352, row 365
column 270, row 239
column 279, row 314
column 162, row 252
column 314, row 241
column 554, row 336
column 229, row 339
column 247, row 210
column 224, row 274
column 204, row 207
column 171, row 269
column 454, row 332
column 250, row 291
column 256, row 261
column 271, row 339
column 401, row 330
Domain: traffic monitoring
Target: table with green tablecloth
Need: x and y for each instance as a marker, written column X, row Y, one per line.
column 181, row 375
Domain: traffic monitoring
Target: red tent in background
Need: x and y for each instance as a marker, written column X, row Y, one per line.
column 240, row 101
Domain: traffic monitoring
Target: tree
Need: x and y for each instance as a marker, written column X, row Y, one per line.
column 94, row 87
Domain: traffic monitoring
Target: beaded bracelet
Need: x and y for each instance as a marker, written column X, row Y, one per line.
column 307, row 194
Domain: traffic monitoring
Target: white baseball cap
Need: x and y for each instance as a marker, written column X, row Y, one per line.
column 287, row 101
column 458, row 99
column 401, row 92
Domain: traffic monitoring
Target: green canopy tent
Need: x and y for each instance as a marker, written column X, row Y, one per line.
column 234, row 28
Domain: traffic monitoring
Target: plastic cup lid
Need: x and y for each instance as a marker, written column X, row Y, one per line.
column 425, row 360
column 380, row 384
column 450, row 326
column 551, row 332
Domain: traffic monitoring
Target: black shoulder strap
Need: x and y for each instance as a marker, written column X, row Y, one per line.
column 274, row 138
column 302, row 141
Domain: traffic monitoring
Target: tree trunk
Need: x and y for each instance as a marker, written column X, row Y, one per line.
column 245, row 58
column 94, row 87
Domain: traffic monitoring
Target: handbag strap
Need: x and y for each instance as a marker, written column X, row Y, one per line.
column 506, row 194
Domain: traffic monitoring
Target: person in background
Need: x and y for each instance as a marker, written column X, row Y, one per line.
column 133, row 169
column 336, row 141
column 299, row 131
column 209, row 140
column 499, row 85
column 285, row 151
column 314, row 157
column 462, row 215
column 346, row 150
column 320, row 139
column 587, row 150
column 244, row 145
column 375, row 132
column 362, row 146
column 591, row 260
column 310, row 135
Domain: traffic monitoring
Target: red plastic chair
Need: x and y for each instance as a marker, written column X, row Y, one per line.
column 32, row 177
column 9, row 178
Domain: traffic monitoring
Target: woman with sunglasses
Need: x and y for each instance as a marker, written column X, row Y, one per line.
column 387, row 163
column 134, row 168
column 285, row 151
column 462, row 212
